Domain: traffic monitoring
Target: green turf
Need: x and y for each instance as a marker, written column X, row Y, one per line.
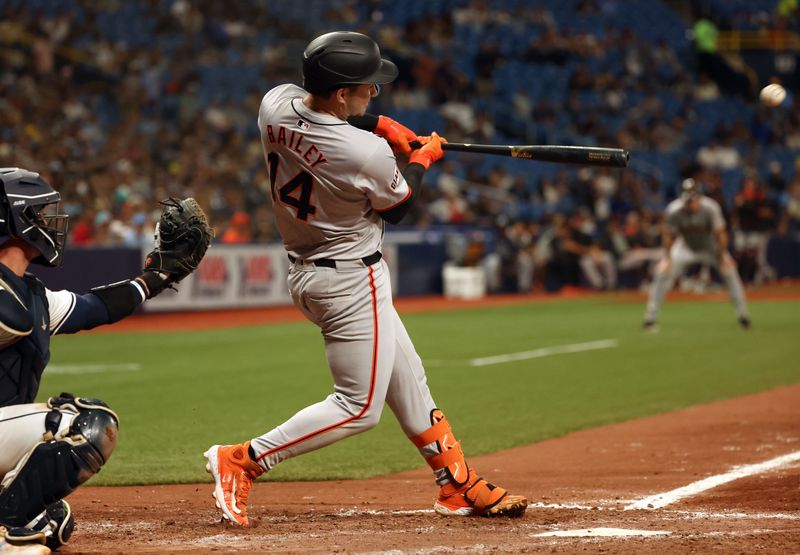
column 196, row 389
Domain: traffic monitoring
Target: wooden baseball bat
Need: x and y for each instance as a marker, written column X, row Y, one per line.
column 582, row 155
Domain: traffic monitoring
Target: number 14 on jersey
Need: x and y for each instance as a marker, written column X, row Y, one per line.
column 303, row 181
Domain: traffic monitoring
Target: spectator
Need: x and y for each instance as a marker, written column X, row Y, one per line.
column 159, row 113
column 450, row 207
column 753, row 218
column 139, row 233
column 705, row 89
column 791, row 219
column 240, row 230
column 596, row 262
column 558, row 254
column 83, row 231
column 718, row 155
column 637, row 251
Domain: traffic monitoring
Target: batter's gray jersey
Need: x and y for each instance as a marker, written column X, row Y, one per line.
column 329, row 180
column 696, row 228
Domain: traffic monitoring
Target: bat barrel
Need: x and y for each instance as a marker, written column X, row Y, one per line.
column 581, row 155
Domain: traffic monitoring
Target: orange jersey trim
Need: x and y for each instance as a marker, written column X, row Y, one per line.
column 367, row 406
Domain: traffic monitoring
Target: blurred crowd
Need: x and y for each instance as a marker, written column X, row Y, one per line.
column 114, row 102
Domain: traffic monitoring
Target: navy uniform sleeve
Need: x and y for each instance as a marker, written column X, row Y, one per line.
column 71, row 313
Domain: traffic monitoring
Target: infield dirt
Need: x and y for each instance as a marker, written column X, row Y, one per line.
column 582, row 480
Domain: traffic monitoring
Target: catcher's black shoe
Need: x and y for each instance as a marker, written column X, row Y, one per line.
column 744, row 322
column 52, row 528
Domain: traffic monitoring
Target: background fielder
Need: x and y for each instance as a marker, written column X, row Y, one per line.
column 694, row 234
column 334, row 183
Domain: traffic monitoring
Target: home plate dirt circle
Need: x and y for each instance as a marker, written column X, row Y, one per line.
column 600, row 533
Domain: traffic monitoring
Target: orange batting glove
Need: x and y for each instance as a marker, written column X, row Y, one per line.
column 430, row 152
column 396, row 134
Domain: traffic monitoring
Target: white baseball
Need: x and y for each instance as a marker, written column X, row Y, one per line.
column 772, row 95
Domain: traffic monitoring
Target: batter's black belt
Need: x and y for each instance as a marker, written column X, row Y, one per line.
column 330, row 263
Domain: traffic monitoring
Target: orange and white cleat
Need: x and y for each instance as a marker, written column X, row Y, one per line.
column 234, row 473
column 477, row 497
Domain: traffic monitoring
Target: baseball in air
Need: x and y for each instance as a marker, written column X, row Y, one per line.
column 772, row 95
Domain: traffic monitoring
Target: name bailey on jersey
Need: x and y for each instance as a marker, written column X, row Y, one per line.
column 295, row 143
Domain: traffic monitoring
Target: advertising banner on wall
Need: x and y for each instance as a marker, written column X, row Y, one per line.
column 231, row 276
column 239, row 276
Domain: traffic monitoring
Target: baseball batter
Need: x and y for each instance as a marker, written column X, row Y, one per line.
column 694, row 233
column 335, row 181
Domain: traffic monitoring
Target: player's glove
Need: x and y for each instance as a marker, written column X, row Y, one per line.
column 430, row 152
column 182, row 238
column 396, row 134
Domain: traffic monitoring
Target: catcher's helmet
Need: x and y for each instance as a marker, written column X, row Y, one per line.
column 690, row 189
column 29, row 210
column 344, row 58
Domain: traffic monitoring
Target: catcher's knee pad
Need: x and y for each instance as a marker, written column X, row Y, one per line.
column 450, row 457
column 53, row 527
column 62, row 461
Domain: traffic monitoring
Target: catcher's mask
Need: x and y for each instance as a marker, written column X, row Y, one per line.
column 29, row 210
column 344, row 58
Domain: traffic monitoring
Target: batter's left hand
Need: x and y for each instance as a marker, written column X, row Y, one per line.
column 430, row 152
column 396, row 134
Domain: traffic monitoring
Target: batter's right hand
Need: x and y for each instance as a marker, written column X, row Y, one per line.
column 430, row 152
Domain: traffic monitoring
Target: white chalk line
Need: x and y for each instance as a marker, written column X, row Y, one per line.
column 702, row 515
column 660, row 500
column 601, row 533
column 601, row 505
column 536, row 505
column 92, row 368
column 525, row 355
column 478, row 547
column 545, row 352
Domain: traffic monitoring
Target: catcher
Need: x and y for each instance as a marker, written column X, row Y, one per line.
column 49, row 449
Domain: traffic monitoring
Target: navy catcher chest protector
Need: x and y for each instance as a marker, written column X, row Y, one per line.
column 22, row 363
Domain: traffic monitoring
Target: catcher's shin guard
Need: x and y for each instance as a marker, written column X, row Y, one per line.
column 466, row 494
column 62, row 461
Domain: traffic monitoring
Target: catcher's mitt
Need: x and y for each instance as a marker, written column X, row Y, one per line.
column 182, row 238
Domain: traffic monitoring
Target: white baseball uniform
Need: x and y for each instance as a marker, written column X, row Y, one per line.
column 694, row 233
column 695, row 243
column 329, row 181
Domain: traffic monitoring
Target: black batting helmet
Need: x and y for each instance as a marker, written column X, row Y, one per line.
column 344, row 58
column 29, row 210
